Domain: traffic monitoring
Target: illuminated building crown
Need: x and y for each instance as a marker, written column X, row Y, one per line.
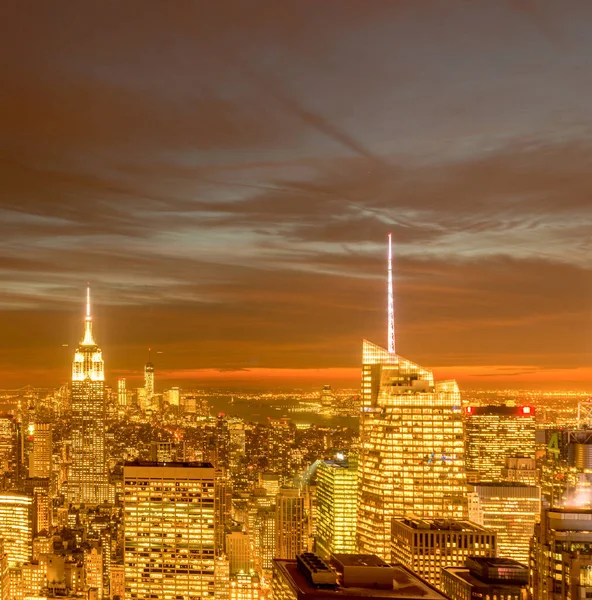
column 88, row 360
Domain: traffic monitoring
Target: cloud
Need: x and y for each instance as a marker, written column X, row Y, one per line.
column 226, row 180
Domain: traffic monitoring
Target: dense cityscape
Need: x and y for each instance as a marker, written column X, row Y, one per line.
column 295, row 300
column 405, row 489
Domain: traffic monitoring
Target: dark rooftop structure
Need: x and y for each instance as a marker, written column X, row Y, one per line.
column 483, row 577
column 152, row 463
column 348, row 576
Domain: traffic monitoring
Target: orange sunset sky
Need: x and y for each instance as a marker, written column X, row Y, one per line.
column 225, row 175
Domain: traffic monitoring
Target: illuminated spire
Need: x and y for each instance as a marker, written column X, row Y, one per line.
column 391, row 307
column 88, row 339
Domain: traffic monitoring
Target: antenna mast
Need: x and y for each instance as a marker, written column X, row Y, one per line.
column 391, row 306
column 88, row 317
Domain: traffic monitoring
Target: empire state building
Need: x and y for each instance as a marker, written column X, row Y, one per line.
column 87, row 478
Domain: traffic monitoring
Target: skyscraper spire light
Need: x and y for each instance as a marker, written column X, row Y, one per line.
column 391, row 306
column 88, row 339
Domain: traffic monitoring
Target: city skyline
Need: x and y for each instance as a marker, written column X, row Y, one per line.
column 234, row 220
column 296, row 300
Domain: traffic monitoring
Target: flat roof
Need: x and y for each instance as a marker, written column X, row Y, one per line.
column 153, row 463
column 360, row 560
column 497, row 561
column 464, row 574
column 440, row 524
column 519, row 484
column 524, row 410
column 408, row 586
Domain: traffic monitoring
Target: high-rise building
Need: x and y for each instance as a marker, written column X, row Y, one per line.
column 264, row 538
column 411, row 444
column 121, row 392
column 566, row 467
column 426, row 547
column 495, row 433
column 245, row 586
column 336, row 499
column 10, row 452
column 521, row 469
column 270, row 482
column 173, row 396
column 93, row 570
column 290, row 524
column 238, row 550
column 347, row 577
column 511, row 509
column 561, row 555
column 16, row 527
column 40, row 457
column 87, row 478
column 169, row 530
column 327, row 397
column 280, row 441
column 117, row 582
column 500, row 578
column 149, row 381
column 39, row 489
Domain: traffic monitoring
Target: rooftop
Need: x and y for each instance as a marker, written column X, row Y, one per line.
column 405, row 584
column 497, row 562
column 508, row 484
column 153, row 463
column 360, row 560
column 440, row 524
column 479, row 584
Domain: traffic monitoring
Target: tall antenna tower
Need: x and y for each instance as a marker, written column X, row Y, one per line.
column 391, row 306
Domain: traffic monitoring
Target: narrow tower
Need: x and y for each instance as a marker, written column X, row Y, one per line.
column 411, row 443
column 87, row 478
column 391, row 304
column 149, row 381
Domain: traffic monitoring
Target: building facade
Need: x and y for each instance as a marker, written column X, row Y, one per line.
column 87, row 477
column 40, row 459
column 511, row 509
column 495, row 433
column 336, row 497
column 121, row 392
column 169, row 531
column 411, row 448
column 290, row 524
column 561, row 555
column 427, row 546
column 483, row 578
column 16, row 527
column 10, row 452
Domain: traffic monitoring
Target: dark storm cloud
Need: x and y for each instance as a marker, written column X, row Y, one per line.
column 225, row 174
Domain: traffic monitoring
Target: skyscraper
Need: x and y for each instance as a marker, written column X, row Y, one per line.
column 337, row 484
column 170, row 529
column 10, row 452
column 327, row 397
column 411, row 444
column 511, row 509
column 426, row 547
column 121, row 392
column 483, row 577
column 495, row 433
column 561, row 555
column 149, row 381
column 16, row 527
column 87, row 479
column 290, row 525
column 40, row 457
